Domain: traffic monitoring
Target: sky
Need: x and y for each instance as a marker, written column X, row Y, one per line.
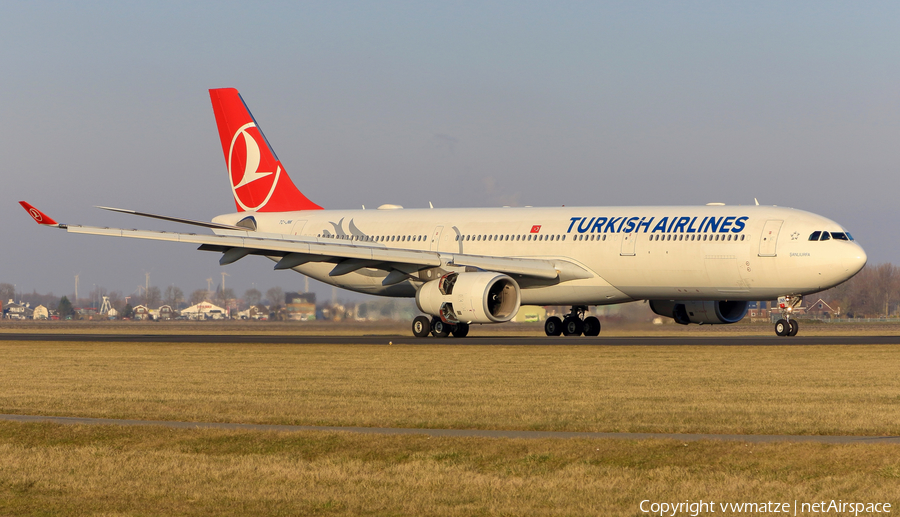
column 462, row 104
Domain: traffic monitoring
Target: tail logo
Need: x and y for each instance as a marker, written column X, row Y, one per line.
column 35, row 214
column 244, row 183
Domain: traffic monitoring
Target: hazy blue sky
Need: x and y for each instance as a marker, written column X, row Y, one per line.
column 460, row 104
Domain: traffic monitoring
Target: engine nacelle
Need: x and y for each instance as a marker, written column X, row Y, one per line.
column 702, row 312
column 471, row 298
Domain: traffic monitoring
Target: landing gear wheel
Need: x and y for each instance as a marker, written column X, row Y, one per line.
column 421, row 326
column 553, row 326
column 795, row 327
column 439, row 328
column 572, row 326
column 591, row 326
column 782, row 328
column 460, row 330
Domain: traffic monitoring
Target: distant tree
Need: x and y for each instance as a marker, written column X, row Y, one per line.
column 200, row 295
column 128, row 311
column 252, row 297
column 64, row 308
column 222, row 296
column 7, row 292
column 174, row 296
column 152, row 298
column 275, row 296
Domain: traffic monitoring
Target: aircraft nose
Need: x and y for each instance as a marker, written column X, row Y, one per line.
column 854, row 259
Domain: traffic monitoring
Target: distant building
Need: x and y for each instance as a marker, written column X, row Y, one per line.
column 256, row 312
column 204, row 311
column 166, row 312
column 530, row 314
column 300, row 306
column 40, row 313
column 17, row 311
column 142, row 312
column 821, row 309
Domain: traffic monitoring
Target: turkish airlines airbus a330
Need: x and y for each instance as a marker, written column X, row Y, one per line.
column 698, row 264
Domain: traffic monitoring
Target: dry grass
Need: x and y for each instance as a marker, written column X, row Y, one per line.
column 49, row 469
column 613, row 328
column 754, row 390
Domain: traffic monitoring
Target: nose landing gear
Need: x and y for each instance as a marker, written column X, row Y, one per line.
column 787, row 326
column 574, row 324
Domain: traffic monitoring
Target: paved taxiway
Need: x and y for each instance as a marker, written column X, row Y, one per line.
column 464, row 433
column 368, row 339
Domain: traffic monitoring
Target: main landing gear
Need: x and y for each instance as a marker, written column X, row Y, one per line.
column 423, row 325
column 787, row 326
column 574, row 324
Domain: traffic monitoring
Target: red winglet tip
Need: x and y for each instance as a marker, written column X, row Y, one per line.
column 38, row 216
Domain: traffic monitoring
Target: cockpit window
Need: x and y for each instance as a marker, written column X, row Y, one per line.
column 814, row 236
column 825, row 236
column 841, row 236
column 849, row 236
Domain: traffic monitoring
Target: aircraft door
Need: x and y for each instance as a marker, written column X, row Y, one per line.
column 769, row 237
column 436, row 238
column 297, row 229
column 628, row 241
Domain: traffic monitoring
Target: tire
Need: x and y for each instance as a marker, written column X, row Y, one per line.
column 460, row 330
column 553, row 326
column 782, row 328
column 591, row 326
column 439, row 328
column 795, row 327
column 572, row 327
column 421, row 326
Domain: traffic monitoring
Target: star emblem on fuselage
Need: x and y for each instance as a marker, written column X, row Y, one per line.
column 795, row 236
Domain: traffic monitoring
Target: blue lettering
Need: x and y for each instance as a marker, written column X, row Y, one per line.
column 645, row 225
column 728, row 222
column 681, row 222
column 713, row 223
column 739, row 224
column 574, row 220
column 619, row 229
column 674, row 220
column 661, row 226
column 700, row 229
column 585, row 227
column 611, row 224
column 690, row 228
column 631, row 224
column 598, row 225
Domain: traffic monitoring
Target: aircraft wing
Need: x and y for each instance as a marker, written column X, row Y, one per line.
column 347, row 257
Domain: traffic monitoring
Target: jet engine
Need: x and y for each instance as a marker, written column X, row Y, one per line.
column 478, row 297
column 702, row 312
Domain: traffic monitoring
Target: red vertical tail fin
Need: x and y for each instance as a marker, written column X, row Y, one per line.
column 258, row 180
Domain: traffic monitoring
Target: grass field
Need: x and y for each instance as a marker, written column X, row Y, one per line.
column 756, row 390
column 612, row 328
column 49, row 469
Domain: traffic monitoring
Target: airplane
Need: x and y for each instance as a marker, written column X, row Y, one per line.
column 464, row 266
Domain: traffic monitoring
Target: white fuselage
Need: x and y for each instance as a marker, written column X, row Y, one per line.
column 631, row 253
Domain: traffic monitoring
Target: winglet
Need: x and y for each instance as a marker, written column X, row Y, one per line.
column 39, row 217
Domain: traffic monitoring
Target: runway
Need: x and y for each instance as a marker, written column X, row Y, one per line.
column 460, row 433
column 386, row 339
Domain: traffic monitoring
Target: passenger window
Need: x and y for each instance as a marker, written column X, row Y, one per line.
column 825, row 236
